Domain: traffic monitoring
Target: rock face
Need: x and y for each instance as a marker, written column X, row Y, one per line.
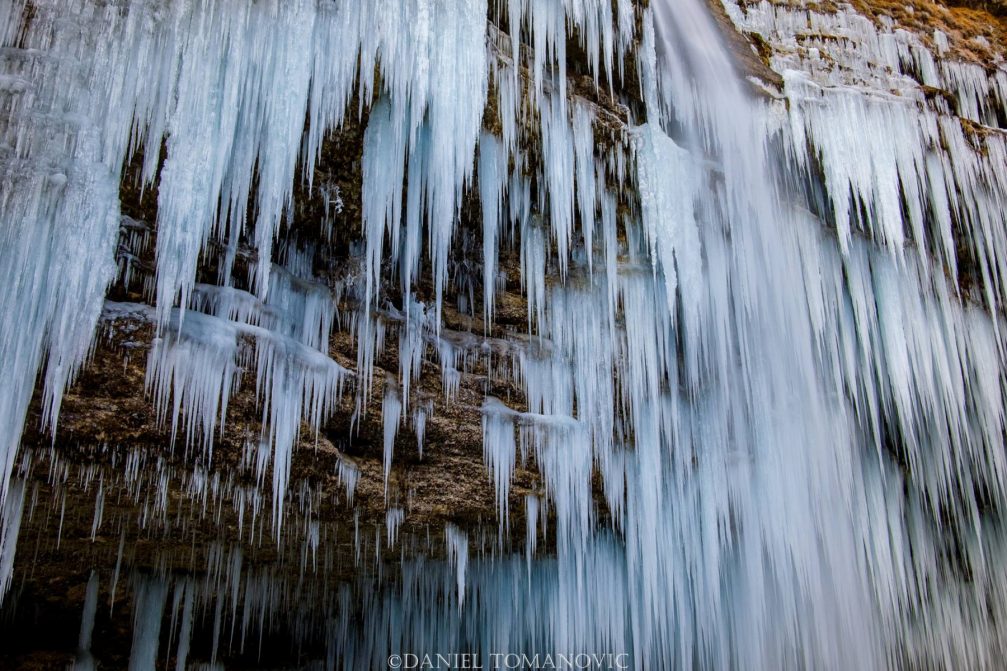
column 620, row 328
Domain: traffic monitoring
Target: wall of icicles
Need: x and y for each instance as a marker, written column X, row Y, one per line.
column 769, row 324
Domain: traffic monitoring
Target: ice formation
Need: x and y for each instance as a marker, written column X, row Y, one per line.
column 761, row 378
column 84, row 660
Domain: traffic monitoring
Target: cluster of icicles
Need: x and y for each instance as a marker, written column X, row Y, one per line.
column 762, row 348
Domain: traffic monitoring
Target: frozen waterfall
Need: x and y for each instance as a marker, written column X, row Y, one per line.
column 755, row 390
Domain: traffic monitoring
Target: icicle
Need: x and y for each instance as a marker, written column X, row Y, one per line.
column 493, row 179
column 391, row 410
column 194, row 368
column 531, row 511
column 99, row 509
column 559, row 159
column 349, row 476
column 499, row 453
column 421, row 413
column 115, row 573
column 307, row 306
column 185, row 628
column 393, row 520
column 458, row 557
column 195, row 365
column 411, row 347
column 10, row 527
column 84, row 661
column 533, row 264
column 667, row 195
column 149, row 605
